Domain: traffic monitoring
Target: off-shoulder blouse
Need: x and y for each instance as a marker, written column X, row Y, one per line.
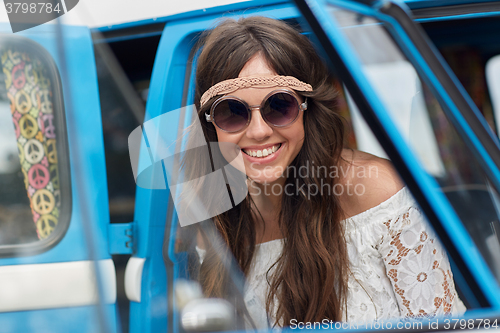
column 398, row 266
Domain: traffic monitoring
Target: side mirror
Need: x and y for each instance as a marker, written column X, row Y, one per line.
column 199, row 314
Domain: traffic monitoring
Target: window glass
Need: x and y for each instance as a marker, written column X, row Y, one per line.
column 123, row 91
column 31, row 115
column 423, row 124
column 492, row 77
column 468, row 56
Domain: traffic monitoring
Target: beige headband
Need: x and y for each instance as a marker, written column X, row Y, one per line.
column 229, row 86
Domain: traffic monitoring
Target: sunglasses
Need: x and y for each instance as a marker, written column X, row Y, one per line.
column 279, row 108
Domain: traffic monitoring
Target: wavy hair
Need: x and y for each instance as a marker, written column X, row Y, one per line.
column 309, row 282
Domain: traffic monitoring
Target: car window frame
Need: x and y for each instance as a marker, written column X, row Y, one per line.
column 62, row 145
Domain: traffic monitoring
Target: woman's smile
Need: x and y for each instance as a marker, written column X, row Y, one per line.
column 263, row 154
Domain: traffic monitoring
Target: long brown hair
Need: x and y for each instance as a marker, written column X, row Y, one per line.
column 310, row 279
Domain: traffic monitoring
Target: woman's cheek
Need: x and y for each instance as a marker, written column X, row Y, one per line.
column 233, row 155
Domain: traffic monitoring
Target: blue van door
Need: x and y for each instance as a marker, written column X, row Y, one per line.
column 56, row 273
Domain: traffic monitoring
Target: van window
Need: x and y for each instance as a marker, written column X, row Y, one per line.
column 421, row 120
column 34, row 199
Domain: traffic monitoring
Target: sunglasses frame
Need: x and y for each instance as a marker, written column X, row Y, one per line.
column 210, row 117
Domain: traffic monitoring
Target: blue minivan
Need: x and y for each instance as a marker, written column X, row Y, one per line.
column 87, row 247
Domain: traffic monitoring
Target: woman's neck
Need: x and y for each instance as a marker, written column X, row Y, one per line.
column 267, row 200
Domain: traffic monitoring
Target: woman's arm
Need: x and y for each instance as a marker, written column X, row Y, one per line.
column 418, row 266
column 415, row 261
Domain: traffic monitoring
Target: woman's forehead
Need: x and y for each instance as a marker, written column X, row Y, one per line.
column 257, row 65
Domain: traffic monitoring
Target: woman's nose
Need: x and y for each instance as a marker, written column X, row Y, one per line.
column 258, row 129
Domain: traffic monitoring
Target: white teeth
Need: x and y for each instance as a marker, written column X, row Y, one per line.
column 263, row 152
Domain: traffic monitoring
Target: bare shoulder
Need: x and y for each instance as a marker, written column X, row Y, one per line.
column 372, row 179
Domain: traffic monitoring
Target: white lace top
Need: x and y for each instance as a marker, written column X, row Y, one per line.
column 399, row 268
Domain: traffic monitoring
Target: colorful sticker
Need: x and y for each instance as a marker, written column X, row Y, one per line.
column 30, row 95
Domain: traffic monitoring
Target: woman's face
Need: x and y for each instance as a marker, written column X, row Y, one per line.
column 259, row 135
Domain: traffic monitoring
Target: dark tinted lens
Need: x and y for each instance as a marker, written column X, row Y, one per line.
column 280, row 109
column 231, row 115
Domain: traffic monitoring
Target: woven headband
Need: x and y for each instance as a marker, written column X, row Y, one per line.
column 231, row 85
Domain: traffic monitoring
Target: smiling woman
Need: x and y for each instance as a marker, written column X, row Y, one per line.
column 314, row 244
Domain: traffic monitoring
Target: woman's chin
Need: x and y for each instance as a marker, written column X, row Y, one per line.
column 265, row 181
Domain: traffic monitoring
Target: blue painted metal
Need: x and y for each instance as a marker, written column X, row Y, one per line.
column 442, row 207
column 78, row 319
column 128, row 37
column 459, row 17
column 121, row 237
column 87, row 141
column 414, row 4
column 200, row 13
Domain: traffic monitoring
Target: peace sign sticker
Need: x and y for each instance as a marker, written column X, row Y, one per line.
column 48, row 126
column 38, row 176
column 8, row 77
column 31, row 74
column 23, row 101
column 33, row 151
column 45, row 225
column 43, row 202
column 18, row 77
column 35, row 97
column 51, row 150
column 28, row 126
column 46, row 102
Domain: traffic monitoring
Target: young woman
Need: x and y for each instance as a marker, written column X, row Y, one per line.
column 325, row 232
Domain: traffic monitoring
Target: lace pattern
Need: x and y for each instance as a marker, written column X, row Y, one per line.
column 398, row 263
column 231, row 85
column 398, row 267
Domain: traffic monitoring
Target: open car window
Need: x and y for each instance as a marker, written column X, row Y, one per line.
column 414, row 107
column 420, row 119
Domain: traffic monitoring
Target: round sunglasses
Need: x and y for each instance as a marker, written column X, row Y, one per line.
column 279, row 108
